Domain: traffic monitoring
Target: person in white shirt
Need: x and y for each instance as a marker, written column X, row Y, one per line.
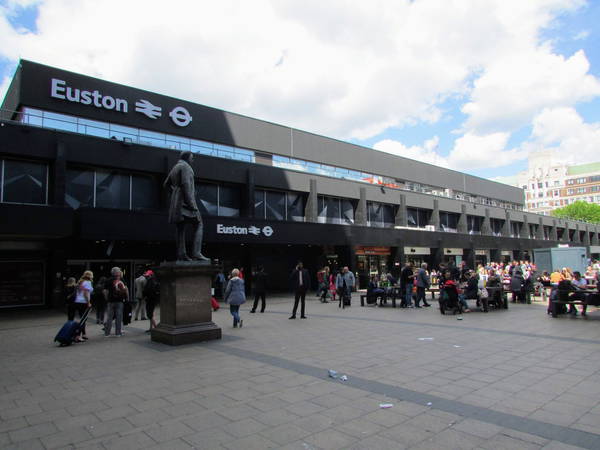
column 82, row 300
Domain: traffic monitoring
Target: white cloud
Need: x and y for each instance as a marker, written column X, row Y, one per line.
column 583, row 34
column 564, row 131
column 470, row 152
column 343, row 69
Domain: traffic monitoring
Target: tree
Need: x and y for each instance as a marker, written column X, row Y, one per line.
column 580, row 210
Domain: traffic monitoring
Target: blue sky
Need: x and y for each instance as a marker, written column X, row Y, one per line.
column 474, row 86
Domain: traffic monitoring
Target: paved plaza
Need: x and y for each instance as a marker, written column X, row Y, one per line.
column 514, row 379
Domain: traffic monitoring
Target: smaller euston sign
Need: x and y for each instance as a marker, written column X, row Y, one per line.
column 266, row 231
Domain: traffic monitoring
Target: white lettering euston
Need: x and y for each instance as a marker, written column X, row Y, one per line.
column 231, row 230
column 60, row 90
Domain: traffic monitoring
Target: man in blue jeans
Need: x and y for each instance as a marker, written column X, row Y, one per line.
column 406, row 285
column 423, row 283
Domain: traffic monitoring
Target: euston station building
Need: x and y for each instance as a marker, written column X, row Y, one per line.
column 82, row 162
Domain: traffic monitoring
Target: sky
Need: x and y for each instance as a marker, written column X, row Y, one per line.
column 471, row 85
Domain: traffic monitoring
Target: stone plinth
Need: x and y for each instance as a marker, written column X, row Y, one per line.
column 185, row 308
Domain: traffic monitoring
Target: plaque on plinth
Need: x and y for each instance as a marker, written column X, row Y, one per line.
column 185, row 307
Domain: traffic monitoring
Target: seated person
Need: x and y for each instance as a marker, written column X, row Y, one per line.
column 451, row 285
column 472, row 288
column 373, row 289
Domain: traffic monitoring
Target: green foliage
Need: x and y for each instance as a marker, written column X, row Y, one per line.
column 580, row 210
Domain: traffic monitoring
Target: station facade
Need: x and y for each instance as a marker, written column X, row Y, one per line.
column 82, row 166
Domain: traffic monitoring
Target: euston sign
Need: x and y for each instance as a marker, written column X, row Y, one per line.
column 266, row 231
column 60, row 90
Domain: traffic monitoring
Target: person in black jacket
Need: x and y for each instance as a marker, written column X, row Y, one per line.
column 300, row 280
column 260, row 289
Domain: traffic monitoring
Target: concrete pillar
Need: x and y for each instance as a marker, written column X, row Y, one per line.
column 565, row 235
column 539, row 234
column 435, row 216
column 525, row 232
column 401, row 219
column 58, row 191
column 553, row 231
column 360, row 216
column 577, row 235
column 586, row 236
column 462, row 227
column 486, row 226
column 506, row 227
column 248, row 198
column 311, row 211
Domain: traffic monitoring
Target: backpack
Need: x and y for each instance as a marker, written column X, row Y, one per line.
column 152, row 288
column 115, row 295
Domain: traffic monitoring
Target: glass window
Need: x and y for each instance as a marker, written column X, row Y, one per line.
column 144, row 193
column 79, row 188
column 496, row 225
column 374, row 214
column 389, row 216
column 112, row 190
column 259, row 203
column 207, row 198
column 24, row 182
column 412, row 217
column 275, row 205
column 347, row 212
column 295, row 207
column 229, row 201
column 515, row 229
column 474, row 224
column 448, row 221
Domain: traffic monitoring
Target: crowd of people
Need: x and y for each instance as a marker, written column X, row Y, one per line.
column 111, row 301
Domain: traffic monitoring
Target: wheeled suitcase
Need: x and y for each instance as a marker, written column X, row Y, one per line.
column 127, row 312
column 347, row 300
column 69, row 331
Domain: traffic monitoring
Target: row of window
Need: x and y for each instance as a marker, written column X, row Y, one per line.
column 46, row 119
column 27, row 182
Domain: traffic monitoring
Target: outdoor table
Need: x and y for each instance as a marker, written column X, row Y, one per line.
column 493, row 290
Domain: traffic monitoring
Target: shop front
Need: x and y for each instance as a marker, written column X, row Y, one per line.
column 418, row 255
column 452, row 257
column 371, row 261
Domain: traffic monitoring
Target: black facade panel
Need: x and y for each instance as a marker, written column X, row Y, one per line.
column 30, row 221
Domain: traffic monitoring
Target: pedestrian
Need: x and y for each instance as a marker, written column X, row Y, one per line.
column 70, row 293
column 345, row 283
column 99, row 299
column 300, row 280
column 83, row 301
column 140, row 284
column 152, row 297
column 259, row 286
column 422, row 284
column 235, row 296
column 220, row 282
column 117, row 296
column 323, row 278
column 517, row 282
column 406, row 285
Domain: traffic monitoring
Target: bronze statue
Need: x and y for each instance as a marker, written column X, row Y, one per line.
column 183, row 210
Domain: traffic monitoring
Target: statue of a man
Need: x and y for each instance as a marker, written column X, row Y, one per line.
column 183, row 210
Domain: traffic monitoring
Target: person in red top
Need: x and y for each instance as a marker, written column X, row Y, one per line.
column 451, row 284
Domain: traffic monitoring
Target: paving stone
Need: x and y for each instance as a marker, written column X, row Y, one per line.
column 276, row 417
column 255, row 442
column 168, row 432
column 128, row 442
column 477, row 428
column 63, row 438
column 245, row 427
column 330, row 440
column 284, row 434
column 32, row 432
column 208, row 439
column 377, row 443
